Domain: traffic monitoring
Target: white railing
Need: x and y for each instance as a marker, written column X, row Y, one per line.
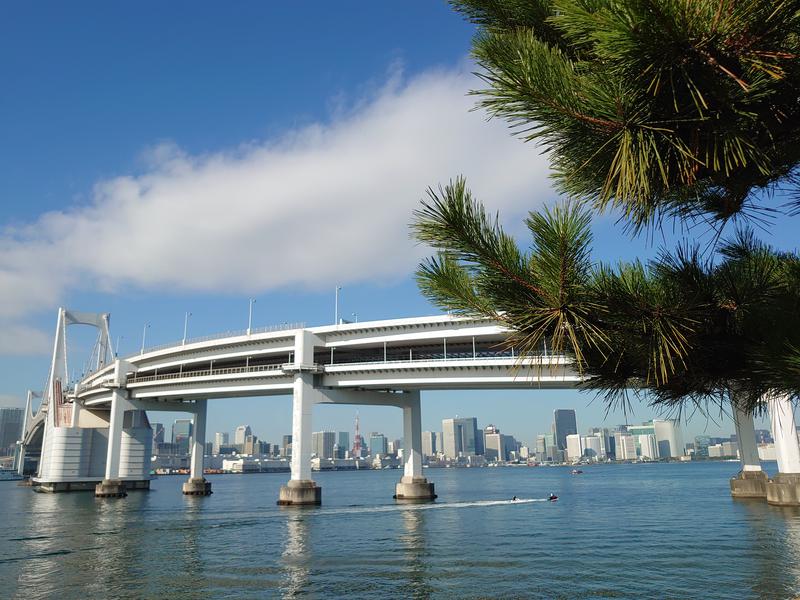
column 530, row 358
column 204, row 373
column 218, row 336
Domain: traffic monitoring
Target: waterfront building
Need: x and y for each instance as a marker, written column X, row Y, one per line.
column 181, row 433
column 460, row 437
column 241, row 433
column 343, row 441
column 221, row 440
column 767, row 452
column 564, row 424
column 574, row 446
column 440, row 442
column 723, row 449
column 378, row 445
column 625, row 446
column 158, row 434
column 429, row 443
column 498, row 447
column 593, row 447
column 322, row 443
column 648, row 447
column 286, row 446
column 667, row 434
column 251, row 446
column 669, row 438
column 10, row 429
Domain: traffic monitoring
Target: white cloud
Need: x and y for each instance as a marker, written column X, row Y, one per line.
column 329, row 202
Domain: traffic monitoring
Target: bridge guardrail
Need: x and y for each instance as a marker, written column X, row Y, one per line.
column 204, row 373
column 535, row 358
column 220, row 335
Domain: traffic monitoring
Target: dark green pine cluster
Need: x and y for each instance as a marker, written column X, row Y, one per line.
column 688, row 328
column 660, row 108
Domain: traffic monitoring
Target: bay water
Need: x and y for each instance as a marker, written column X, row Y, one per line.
column 616, row 531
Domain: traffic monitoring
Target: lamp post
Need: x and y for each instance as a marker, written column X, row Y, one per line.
column 186, row 326
column 144, row 335
column 250, row 316
column 336, row 306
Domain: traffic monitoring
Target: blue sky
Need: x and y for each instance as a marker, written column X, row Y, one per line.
column 174, row 157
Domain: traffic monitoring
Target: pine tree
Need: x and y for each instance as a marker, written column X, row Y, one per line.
column 660, row 108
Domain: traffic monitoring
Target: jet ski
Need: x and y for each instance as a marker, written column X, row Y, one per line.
column 552, row 498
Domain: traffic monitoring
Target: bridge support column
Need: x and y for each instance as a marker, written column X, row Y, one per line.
column 751, row 481
column 197, row 484
column 413, row 486
column 784, row 488
column 301, row 489
column 112, row 486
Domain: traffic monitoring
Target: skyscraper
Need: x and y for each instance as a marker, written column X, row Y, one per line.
column 158, row 434
column 460, row 437
column 564, row 424
column 286, row 446
column 574, row 447
column 378, row 444
column 322, row 443
column 10, row 429
column 181, row 432
column 429, row 443
column 220, row 440
column 239, row 436
column 343, row 441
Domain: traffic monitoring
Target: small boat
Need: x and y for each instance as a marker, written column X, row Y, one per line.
column 576, row 472
column 552, row 498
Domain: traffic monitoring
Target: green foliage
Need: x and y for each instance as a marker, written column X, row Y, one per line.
column 656, row 107
column 684, row 327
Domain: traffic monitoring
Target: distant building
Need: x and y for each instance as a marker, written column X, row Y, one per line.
column 378, row 445
column 241, row 433
column 723, row 449
column 593, row 447
column 440, row 442
column 286, row 446
column 429, row 443
column 322, row 443
column 10, row 429
column 158, row 434
column 498, row 447
column 251, row 446
column 574, row 446
column 343, row 441
column 459, row 437
column 181, row 434
column 669, row 438
column 648, row 447
column 221, row 440
column 625, row 446
column 767, row 452
column 564, row 424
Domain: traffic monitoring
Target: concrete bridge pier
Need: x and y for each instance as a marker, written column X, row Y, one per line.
column 301, row 490
column 112, row 486
column 784, row 488
column 413, row 486
column 751, row 481
column 197, row 484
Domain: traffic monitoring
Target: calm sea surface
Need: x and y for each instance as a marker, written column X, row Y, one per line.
column 622, row 531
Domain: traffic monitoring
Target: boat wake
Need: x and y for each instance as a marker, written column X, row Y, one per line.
column 353, row 510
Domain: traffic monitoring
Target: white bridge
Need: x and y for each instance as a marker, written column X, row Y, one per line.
column 96, row 431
